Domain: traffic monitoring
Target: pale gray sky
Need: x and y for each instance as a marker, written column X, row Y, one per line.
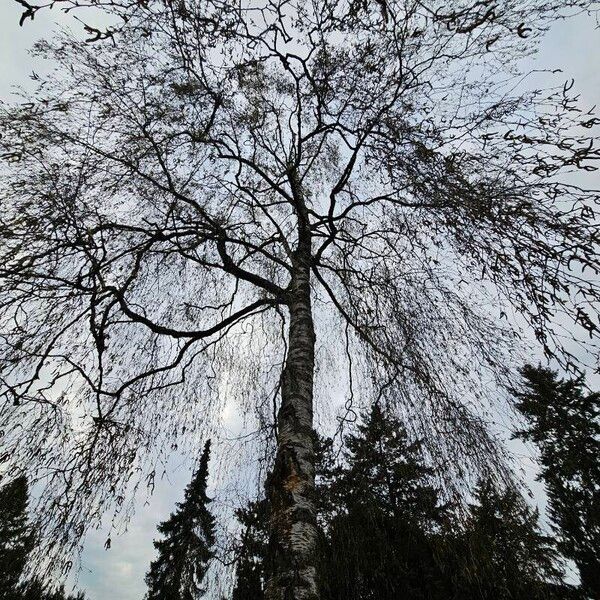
column 118, row 573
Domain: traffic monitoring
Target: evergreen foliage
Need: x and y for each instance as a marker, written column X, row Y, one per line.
column 382, row 519
column 185, row 551
column 16, row 539
column 501, row 553
column 252, row 560
column 16, row 542
column 563, row 420
column 386, row 534
column 382, row 468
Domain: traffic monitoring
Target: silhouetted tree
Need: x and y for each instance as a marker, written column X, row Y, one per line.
column 16, row 537
column 501, row 552
column 187, row 545
column 217, row 173
column 383, row 518
column 383, row 467
column 252, row 547
column 563, row 420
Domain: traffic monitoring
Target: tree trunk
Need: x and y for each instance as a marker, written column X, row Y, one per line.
column 291, row 485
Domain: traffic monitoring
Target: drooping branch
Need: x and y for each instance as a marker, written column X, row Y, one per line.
column 174, row 190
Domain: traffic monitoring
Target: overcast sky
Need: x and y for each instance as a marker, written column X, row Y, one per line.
column 118, row 573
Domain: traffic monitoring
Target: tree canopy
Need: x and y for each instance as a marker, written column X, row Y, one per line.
column 502, row 553
column 563, row 419
column 196, row 199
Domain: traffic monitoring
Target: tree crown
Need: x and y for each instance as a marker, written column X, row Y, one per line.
column 160, row 191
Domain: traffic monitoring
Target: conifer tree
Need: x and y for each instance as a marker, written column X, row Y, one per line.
column 380, row 519
column 564, row 422
column 383, row 467
column 387, row 536
column 185, row 551
column 16, row 539
column 250, row 574
column 501, row 553
column 383, row 517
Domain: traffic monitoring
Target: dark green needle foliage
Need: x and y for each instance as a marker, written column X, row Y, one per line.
column 16, row 539
column 185, row 551
column 383, row 467
column 252, row 552
column 501, row 554
column 384, row 518
column 563, row 421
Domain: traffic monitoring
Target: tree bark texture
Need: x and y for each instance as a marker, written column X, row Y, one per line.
column 291, row 485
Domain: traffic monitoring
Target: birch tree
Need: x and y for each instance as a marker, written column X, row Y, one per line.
column 210, row 188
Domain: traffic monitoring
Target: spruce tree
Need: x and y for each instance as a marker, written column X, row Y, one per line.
column 381, row 521
column 185, row 551
column 563, row 420
column 251, row 565
column 16, row 538
column 383, row 467
column 501, row 554
column 383, row 517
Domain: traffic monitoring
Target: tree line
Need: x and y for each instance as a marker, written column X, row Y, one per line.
column 386, row 533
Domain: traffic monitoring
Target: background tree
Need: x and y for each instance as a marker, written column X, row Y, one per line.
column 383, row 519
column 380, row 465
column 198, row 191
column 501, row 552
column 563, row 420
column 187, row 545
column 16, row 537
column 252, row 548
